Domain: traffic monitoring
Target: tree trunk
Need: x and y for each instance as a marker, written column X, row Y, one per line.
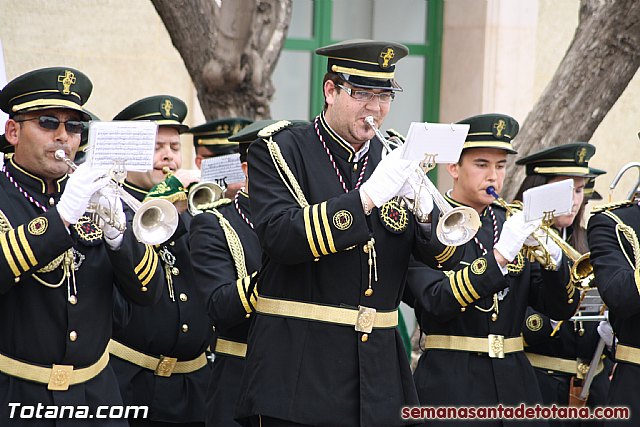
column 601, row 60
column 230, row 49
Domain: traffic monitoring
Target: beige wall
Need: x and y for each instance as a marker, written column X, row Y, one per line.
column 121, row 45
column 499, row 55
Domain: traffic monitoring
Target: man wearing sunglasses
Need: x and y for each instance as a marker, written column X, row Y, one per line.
column 57, row 267
column 324, row 349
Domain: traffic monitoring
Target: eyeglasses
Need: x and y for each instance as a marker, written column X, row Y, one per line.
column 366, row 96
column 52, row 123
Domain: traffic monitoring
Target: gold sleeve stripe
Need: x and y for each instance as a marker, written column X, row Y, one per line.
column 463, row 289
column 327, row 229
column 446, row 254
column 636, row 274
column 7, row 254
column 316, row 226
column 13, row 242
column 144, row 261
column 467, row 282
column 570, row 294
column 241, row 287
column 26, row 246
column 147, row 274
column 307, row 229
column 455, row 291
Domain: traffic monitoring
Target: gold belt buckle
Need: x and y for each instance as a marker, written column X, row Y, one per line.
column 496, row 346
column 581, row 369
column 60, row 377
column 366, row 318
column 165, row 366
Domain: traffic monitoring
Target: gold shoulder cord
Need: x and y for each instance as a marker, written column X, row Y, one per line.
column 631, row 237
column 281, row 166
column 234, row 243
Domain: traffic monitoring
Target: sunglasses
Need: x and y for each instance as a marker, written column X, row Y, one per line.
column 52, row 123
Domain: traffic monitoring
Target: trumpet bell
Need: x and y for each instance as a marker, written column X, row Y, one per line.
column 458, row 226
column 203, row 194
column 155, row 221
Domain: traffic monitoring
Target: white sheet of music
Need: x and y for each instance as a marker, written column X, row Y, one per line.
column 556, row 197
column 131, row 142
column 220, row 169
column 445, row 140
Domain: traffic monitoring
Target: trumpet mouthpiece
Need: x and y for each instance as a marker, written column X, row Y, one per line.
column 492, row 191
column 166, row 170
column 369, row 120
column 60, row 154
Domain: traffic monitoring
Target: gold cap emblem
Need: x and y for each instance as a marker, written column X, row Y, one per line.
column 499, row 127
column 581, row 156
column 166, row 108
column 67, row 79
column 386, row 56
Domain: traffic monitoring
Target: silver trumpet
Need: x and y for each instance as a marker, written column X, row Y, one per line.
column 456, row 226
column 154, row 221
column 202, row 195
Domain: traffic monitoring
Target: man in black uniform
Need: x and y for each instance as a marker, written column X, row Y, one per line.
column 324, row 349
column 57, row 269
column 615, row 255
column 472, row 316
column 159, row 351
column 226, row 256
column 211, row 139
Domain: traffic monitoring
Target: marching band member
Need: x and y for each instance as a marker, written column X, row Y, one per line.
column 472, row 315
column 561, row 352
column 323, row 347
column 158, row 353
column 58, row 267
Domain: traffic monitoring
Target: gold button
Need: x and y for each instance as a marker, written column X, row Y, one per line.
column 355, row 167
column 185, row 327
column 17, row 279
column 183, row 297
column 73, row 300
column 172, row 243
column 462, row 309
column 570, row 300
column 214, row 328
column 51, row 201
column 365, row 248
column 316, row 259
column 175, row 271
column 368, row 292
column 494, row 317
column 73, row 335
column 364, row 338
column 144, row 289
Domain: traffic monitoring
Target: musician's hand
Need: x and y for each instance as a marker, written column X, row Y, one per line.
column 388, row 178
column 82, row 183
column 187, row 176
column 606, row 332
column 514, row 232
column 111, row 203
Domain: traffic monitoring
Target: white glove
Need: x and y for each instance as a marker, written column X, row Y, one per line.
column 388, row 178
column 413, row 190
column 514, row 232
column 554, row 250
column 606, row 332
column 109, row 201
column 80, row 187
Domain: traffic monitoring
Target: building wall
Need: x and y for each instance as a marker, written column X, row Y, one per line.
column 121, row 45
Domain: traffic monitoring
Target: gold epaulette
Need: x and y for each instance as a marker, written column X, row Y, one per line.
column 274, row 128
column 611, row 206
column 216, row 204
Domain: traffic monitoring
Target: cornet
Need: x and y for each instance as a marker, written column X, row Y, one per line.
column 154, row 221
column 581, row 270
column 202, row 195
column 456, row 226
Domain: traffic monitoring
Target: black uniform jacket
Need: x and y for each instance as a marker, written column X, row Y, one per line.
column 40, row 323
column 619, row 286
column 175, row 327
column 227, row 297
column 314, row 372
column 450, row 303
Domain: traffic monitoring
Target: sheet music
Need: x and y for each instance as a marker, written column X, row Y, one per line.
column 132, row 142
column 222, row 169
column 444, row 139
column 556, row 197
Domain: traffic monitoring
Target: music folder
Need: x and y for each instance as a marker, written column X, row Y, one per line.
column 444, row 140
column 554, row 199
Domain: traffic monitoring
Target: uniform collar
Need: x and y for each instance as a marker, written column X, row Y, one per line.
column 243, row 201
column 337, row 145
column 31, row 182
column 455, row 203
column 135, row 191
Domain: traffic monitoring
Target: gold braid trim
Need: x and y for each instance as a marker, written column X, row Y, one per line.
column 234, row 243
column 282, row 167
column 631, row 237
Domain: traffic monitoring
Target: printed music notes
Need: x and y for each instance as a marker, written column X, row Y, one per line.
column 130, row 142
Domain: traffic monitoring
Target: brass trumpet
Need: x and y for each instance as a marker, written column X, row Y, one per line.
column 154, row 221
column 203, row 195
column 581, row 269
column 456, row 226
